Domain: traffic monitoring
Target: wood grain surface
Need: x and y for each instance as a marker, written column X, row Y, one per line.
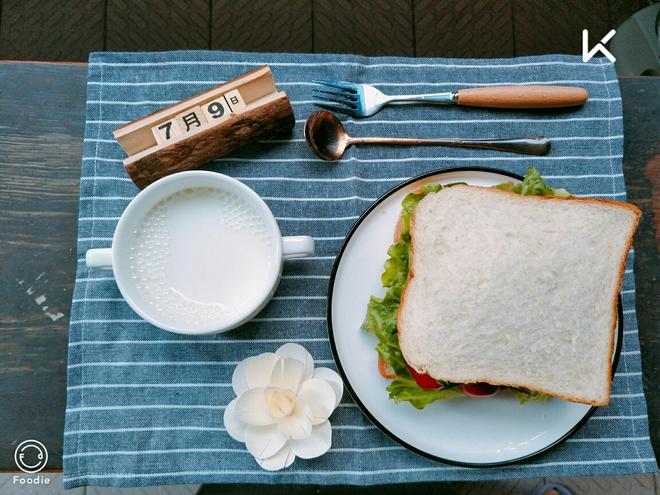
column 262, row 25
column 42, row 115
column 52, row 30
column 369, row 27
column 464, row 28
column 641, row 167
column 150, row 25
column 69, row 29
column 555, row 26
column 523, row 97
column 42, row 118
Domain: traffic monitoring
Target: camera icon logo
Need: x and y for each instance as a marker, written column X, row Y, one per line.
column 31, row 456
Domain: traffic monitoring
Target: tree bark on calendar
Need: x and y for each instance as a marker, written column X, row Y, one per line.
column 270, row 119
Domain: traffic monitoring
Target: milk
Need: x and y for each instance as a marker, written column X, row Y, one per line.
column 201, row 256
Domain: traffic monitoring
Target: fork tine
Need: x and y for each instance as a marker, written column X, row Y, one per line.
column 338, row 94
column 338, row 102
column 333, row 107
column 343, row 104
column 337, row 84
column 341, row 101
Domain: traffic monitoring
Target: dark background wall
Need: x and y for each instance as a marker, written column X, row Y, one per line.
column 67, row 30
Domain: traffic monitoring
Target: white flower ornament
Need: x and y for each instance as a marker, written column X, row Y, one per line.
column 282, row 406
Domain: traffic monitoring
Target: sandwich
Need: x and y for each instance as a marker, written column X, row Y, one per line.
column 512, row 287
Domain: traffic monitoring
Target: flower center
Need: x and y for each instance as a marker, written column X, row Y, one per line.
column 281, row 403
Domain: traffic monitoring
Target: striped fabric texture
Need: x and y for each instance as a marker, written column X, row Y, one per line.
column 144, row 406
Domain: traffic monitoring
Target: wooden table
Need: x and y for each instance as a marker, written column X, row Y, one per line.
column 42, row 114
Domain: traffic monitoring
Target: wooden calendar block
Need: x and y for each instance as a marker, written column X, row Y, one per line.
column 205, row 126
column 166, row 131
column 235, row 100
column 191, row 120
column 216, row 110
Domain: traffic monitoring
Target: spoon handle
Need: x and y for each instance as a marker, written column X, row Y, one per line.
column 532, row 145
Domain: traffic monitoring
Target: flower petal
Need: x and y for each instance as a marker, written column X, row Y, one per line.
column 317, row 444
column 298, row 424
column 234, row 426
column 287, row 374
column 320, row 397
column 252, row 408
column 298, row 352
column 239, row 378
column 264, row 441
column 283, row 459
column 259, row 369
column 333, row 379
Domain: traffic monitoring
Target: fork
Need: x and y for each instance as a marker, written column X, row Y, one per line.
column 363, row 100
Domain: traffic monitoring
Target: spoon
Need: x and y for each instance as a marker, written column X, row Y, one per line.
column 328, row 139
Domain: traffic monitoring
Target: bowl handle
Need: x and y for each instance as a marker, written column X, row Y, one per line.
column 100, row 259
column 300, row 246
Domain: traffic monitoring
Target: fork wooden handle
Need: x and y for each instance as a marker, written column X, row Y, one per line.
column 522, row 97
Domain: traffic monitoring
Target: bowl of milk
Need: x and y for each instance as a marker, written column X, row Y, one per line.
column 198, row 253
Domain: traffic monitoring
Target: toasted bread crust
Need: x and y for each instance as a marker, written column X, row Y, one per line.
column 622, row 265
column 615, row 301
column 397, row 230
column 404, row 292
column 385, row 369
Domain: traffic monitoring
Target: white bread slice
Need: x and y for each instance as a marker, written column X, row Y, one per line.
column 516, row 290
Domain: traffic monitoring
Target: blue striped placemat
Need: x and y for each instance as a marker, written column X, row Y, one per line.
column 144, row 407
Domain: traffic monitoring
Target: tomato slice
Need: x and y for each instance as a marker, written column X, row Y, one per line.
column 424, row 380
column 479, row 389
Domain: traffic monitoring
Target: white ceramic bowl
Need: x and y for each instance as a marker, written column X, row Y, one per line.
column 118, row 257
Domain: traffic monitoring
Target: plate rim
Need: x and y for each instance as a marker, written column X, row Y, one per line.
column 349, row 387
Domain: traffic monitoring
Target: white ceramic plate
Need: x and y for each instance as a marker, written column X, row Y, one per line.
column 462, row 431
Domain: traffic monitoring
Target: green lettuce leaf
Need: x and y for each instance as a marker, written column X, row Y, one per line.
column 533, row 184
column 526, row 395
column 381, row 312
column 380, row 319
column 396, row 266
column 406, row 389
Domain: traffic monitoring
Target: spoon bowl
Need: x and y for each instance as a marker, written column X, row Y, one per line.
column 325, row 136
